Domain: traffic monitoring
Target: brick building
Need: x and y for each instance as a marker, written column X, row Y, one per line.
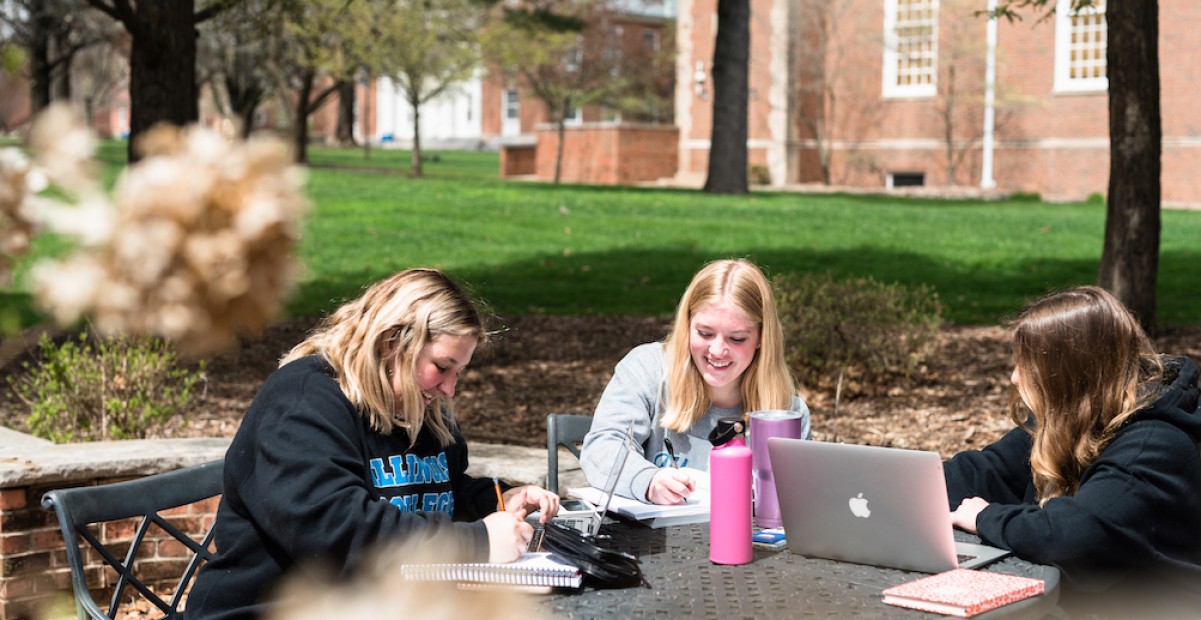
column 875, row 93
column 509, row 111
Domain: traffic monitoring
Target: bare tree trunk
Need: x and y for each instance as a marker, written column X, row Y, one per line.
column 300, row 124
column 948, row 123
column 416, row 153
column 246, row 91
column 40, row 68
column 344, row 135
column 89, row 111
column 564, row 108
column 62, row 71
column 1130, row 260
column 162, row 66
column 727, row 151
column 246, row 111
column 365, row 117
column 826, row 129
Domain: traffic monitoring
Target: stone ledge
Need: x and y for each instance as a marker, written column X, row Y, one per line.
column 47, row 464
column 29, row 461
column 519, row 465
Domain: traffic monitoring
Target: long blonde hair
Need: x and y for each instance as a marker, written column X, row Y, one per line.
column 1081, row 357
column 766, row 383
column 382, row 332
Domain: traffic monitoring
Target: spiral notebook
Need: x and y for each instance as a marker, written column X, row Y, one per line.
column 537, row 569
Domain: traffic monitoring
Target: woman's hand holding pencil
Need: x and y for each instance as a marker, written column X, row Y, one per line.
column 508, row 533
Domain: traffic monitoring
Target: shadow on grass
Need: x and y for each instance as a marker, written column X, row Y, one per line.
column 649, row 282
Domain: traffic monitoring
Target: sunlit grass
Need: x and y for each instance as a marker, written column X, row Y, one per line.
column 569, row 249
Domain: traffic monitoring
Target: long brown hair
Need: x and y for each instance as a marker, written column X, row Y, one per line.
column 382, row 332
column 1081, row 357
column 766, row 383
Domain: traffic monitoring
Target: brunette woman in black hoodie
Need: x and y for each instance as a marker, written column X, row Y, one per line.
column 1102, row 478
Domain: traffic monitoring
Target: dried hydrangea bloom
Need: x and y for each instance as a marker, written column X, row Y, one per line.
column 17, row 182
column 64, row 147
column 201, row 243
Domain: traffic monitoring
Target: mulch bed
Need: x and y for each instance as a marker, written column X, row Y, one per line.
column 544, row 364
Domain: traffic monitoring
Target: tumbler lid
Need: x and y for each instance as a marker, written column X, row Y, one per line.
column 726, row 429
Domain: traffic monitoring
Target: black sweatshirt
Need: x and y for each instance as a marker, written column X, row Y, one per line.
column 1135, row 519
column 308, row 483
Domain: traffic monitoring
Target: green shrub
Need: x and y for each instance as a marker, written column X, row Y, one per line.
column 759, row 174
column 1095, row 198
column 859, row 328
column 98, row 389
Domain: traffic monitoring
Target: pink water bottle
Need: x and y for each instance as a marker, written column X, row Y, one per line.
column 730, row 489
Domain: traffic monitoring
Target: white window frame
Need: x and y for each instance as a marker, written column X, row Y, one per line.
column 892, row 55
column 510, row 112
column 650, row 38
column 576, row 117
column 1067, row 23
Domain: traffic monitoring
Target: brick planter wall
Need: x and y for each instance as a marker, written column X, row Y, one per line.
column 33, row 561
column 615, row 154
column 517, row 160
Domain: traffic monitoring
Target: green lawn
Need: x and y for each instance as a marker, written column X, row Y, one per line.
column 538, row 248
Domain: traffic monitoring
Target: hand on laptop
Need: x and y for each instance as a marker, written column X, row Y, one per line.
column 670, row 486
column 964, row 517
column 530, row 498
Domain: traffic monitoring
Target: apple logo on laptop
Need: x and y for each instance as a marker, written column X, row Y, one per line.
column 859, row 506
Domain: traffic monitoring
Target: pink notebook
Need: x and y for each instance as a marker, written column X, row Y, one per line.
column 962, row 592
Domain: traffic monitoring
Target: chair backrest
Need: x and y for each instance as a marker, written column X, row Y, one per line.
column 567, row 430
column 80, row 507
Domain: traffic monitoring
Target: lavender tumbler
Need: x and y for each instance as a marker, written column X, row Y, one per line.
column 765, row 424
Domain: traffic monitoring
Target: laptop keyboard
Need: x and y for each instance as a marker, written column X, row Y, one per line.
column 965, row 557
column 535, row 543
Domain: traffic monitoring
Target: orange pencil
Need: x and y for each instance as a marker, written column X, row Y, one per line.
column 500, row 499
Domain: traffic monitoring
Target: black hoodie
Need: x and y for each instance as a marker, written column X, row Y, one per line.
column 1135, row 519
column 308, row 483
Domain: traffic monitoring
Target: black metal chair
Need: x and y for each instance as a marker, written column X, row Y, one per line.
column 81, row 507
column 567, row 430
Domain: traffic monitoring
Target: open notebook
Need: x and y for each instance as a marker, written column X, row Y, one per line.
column 694, row 510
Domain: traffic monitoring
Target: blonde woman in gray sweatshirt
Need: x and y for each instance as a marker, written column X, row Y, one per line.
column 724, row 357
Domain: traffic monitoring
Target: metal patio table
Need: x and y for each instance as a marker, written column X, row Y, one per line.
column 776, row 584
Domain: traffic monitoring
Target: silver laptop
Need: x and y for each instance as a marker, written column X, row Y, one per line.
column 869, row 505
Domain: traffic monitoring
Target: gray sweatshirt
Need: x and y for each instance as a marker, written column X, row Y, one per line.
column 633, row 395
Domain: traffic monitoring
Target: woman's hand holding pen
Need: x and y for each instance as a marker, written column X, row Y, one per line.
column 529, row 498
column 508, row 535
column 670, row 486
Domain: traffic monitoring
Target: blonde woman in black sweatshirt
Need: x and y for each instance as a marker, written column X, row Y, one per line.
column 352, row 444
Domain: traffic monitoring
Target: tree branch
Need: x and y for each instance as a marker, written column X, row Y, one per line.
column 320, row 99
column 107, row 9
column 121, row 11
column 213, row 10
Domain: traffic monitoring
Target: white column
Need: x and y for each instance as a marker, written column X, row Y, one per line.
column 990, row 81
column 778, row 95
column 685, row 98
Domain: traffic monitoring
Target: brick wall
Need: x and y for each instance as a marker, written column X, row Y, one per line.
column 517, row 160
column 608, row 153
column 1052, row 142
column 33, row 560
column 29, row 537
column 33, row 564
